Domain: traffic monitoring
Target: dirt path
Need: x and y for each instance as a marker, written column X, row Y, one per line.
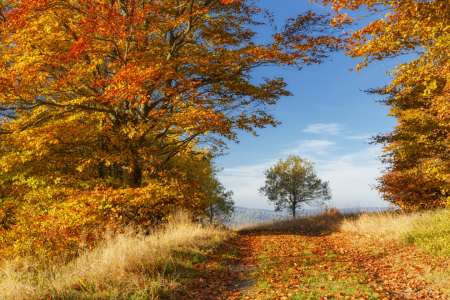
column 300, row 265
column 244, row 264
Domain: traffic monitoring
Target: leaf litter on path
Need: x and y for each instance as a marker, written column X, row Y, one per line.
column 225, row 275
column 301, row 265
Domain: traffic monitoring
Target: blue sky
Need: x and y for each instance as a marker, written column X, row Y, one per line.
column 328, row 121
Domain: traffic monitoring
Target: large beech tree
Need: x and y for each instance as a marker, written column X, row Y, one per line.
column 98, row 96
column 417, row 151
column 107, row 87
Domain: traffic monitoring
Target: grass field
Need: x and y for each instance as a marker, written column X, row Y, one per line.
column 132, row 265
column 429, row 230
column 386, row 255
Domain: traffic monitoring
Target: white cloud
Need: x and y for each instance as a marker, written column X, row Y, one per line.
column 245, row 181
column 248, row 171
column 361, row 136
column 309, row 147
column 350, row 177
column 331, row 128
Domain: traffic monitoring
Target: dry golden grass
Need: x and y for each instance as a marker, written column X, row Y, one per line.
column 125, row 266
column 430, row 230
column 387, row 224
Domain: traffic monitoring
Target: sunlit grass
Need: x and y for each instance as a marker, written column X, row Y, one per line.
column 131, row 265
column 311, row 223
column 387, row 224
column 429, row 230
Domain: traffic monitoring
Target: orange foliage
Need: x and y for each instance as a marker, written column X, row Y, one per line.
column 416, row 152
column 97, row 98
column 57, row 220
column 332, row 211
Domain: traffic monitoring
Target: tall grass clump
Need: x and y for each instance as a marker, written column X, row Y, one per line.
column 388, row 224
column 131, row 265
column 431, row 232
column 428, row 230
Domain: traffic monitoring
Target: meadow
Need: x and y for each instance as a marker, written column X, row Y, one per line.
column 386, row 255
column 428, row 230
column 135, row 264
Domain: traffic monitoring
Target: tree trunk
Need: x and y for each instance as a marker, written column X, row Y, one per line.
column 101, row 164
column 294, row 206
column 211, row 215
column 101, row 170
column 132, row 179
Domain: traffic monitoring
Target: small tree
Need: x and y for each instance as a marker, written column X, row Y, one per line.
column 219, row 204
column 293, row 182
column 201, row 172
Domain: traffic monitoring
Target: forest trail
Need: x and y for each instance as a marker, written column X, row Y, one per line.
column 303, row 265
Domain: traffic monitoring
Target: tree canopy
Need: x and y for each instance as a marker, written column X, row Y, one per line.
column 98, row 98
column 292, row 183
column 97, row 83
column 416, row 152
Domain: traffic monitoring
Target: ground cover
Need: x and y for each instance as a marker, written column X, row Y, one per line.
column 321, row 257
column 340, row 265
column 377, row 256
column 131, row 265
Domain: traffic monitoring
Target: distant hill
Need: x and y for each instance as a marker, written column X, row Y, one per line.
column 244, row 215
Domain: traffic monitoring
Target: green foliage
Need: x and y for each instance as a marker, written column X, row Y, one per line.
column 431, row 232
column 219, row 204
column 292, row 183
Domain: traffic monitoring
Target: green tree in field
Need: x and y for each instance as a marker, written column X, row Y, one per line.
column 292, row 183
column 219, row 204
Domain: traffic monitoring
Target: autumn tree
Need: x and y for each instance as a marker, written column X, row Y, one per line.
column 416, row 152
column 293, row 183
column 105, row 88
column 98, row 96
